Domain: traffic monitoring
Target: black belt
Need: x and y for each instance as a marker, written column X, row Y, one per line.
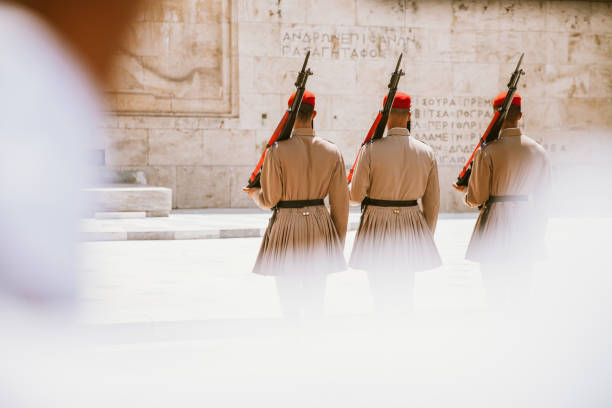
column 497, row 199
column 299, row 203
column 386, row 203
column 291, row 204
column 503, row 198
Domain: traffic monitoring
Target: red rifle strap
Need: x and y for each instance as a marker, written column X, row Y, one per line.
column 258, row 167
column 272, row 140
column 367, row 139
column 484, row 137
column 350, row 176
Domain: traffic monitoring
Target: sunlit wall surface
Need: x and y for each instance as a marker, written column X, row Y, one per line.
column 202, row 84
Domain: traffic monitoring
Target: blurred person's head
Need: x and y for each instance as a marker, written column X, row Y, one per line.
column 307, row 112
column 400, row 111
column 94, row 29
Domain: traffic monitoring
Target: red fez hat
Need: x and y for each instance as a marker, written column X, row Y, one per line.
column 308, row 98
column 499, row 100
column 401, row 101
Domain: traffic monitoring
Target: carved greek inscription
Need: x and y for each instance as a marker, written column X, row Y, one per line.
column 347, row 42
column 450, row 125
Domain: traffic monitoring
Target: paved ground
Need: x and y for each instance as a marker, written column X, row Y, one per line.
column 161, row 281
column 183, row 323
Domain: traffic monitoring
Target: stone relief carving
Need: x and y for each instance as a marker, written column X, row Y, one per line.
column 179, row 61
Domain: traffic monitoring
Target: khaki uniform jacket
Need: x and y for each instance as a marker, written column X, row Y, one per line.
column 396, row 167
column 303, row 240
column 514, row 164
column 306, row 167
column 399, row 167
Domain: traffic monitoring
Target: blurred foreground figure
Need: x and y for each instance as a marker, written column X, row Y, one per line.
column 510, row 182
column 304, row 242
column 52, row 52
column 395, row 237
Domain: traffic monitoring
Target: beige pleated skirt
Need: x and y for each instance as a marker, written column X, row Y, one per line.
column 394, row 238
column 301, row 241
column 507, row 232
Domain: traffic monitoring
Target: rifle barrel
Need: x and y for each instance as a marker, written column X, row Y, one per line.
column 520, row 62
column 306, row 61
column 517, row 73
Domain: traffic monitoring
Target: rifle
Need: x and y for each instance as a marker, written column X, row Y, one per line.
column 285, row 126
column 380, row 123
column 495, row 125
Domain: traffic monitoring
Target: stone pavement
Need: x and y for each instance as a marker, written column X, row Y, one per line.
column 197, row 280
column 184, row 323
column 143, row 282
column 194, row 224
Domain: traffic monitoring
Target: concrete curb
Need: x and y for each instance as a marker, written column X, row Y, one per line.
column 151, row 235
column 195, row 224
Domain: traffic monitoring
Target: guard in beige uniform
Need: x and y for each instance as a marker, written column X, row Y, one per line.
column 395, row 236
column 304, row 241
column 510, row 182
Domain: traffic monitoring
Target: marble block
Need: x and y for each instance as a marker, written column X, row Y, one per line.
column 154, row 201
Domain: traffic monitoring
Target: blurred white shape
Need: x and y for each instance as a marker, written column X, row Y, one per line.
column 48, row 118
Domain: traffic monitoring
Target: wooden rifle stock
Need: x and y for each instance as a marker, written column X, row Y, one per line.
column 380, row 123
column 467, row 169
column 254, row 179
column 285, row 126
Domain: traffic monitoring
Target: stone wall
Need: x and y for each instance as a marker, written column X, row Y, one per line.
column 202, row 84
